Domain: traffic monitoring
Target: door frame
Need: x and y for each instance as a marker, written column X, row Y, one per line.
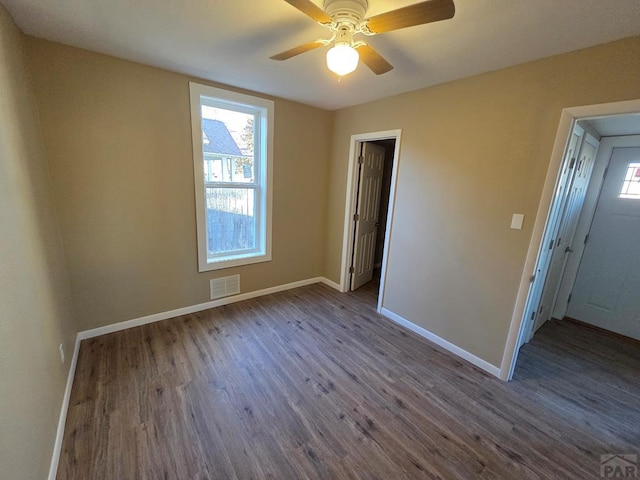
column 567, row 119
column 350, row 204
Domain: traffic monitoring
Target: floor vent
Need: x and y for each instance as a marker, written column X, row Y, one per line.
column 223, row 287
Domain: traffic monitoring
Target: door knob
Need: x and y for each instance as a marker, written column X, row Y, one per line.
column 568, row 250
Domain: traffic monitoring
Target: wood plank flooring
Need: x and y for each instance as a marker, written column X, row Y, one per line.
column 313, row 384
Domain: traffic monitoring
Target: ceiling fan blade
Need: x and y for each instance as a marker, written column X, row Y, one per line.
column 311, row 9
column 372, row 59
column 297, row 50
column 418, row 14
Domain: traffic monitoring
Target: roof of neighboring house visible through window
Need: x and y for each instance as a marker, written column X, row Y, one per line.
column 219, row 139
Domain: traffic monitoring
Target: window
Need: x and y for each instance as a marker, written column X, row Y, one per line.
column 631, row 184
column 232, row 158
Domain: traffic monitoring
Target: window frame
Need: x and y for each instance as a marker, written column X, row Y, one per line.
column 263, row 110
column 627, row 182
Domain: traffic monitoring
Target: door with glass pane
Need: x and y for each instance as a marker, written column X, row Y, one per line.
column 606, row 293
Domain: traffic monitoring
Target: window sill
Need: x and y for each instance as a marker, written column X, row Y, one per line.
column 235, row 261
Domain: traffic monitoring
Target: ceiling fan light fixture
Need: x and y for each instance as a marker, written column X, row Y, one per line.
column 342, row 59
column 346, row 18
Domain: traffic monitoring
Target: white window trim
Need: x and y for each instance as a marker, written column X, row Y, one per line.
column 235, row 101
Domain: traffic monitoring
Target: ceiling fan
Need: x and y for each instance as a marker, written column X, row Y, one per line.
column 346, row 18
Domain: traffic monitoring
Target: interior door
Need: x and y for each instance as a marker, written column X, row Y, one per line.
column 367, row 210
column 606, row 290
column 550, row 233
column 562, row 245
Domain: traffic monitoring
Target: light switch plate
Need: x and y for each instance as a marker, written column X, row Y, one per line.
column 517, row 220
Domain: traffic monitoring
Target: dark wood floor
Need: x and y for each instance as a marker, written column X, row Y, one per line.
column 311, row 383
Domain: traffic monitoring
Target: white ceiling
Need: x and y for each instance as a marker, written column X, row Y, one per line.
column 230, row 41
column 615, row 125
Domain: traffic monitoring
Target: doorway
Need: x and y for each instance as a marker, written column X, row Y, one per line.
column 375, row 161
column 369, row 211
column 565, row 217
column 593, row 264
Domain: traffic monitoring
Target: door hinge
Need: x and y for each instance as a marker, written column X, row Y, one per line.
column 604, row 175
column 551, row 244
column 360, row 160
column 586, row 238
column 532, row 278
column 533, row 315
column 559, row 239
column 569, row 299
column 541, row 307
column 356, row 217
column 352, row 270
column 573, row 162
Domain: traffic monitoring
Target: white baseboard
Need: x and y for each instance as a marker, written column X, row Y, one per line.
column 329, row 283
column 57, row 446
column 156, row 317
column 469, row 357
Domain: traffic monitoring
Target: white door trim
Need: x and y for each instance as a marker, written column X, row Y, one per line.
column 350, row 202
column 567, row 119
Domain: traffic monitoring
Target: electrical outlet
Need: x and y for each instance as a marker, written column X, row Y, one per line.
column 61, row 353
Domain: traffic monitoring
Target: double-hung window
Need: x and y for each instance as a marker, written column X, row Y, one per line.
column 232, row 160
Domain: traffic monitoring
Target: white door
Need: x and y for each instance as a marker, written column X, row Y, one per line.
column 607, row 290
column 366, row 217
column 550, row 232
column 562, row 245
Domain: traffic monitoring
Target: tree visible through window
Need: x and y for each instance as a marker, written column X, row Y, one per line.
column 231, row 170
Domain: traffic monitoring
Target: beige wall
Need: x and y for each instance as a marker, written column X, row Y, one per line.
column 118, row 157
column 35, row 304
column 473, row 152
column 118, row 137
